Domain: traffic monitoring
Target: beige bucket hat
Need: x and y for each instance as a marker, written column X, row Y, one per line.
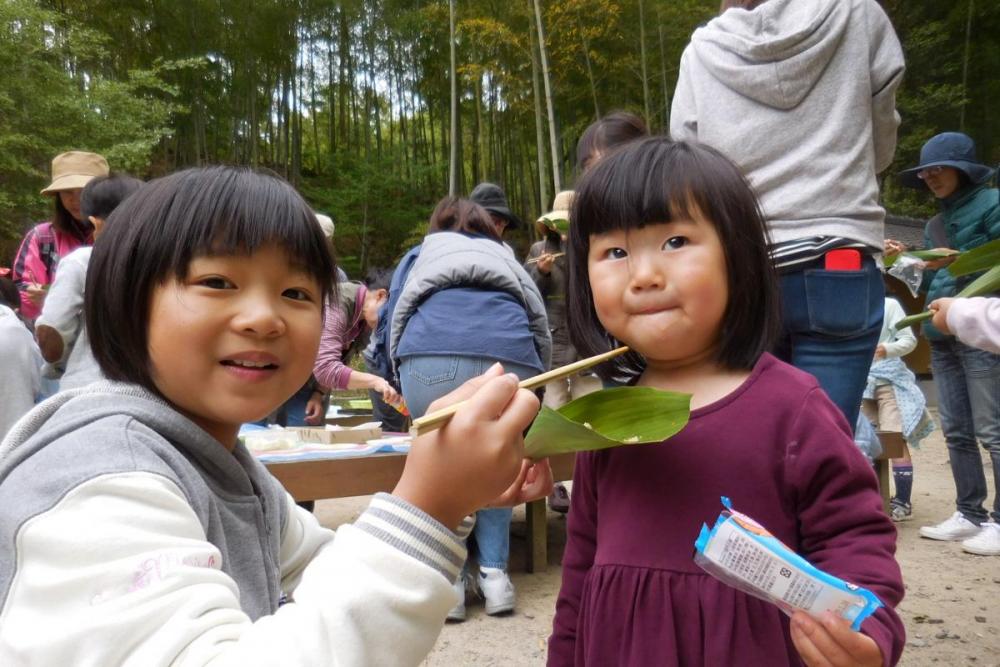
column 75, row 169
column 556, row 220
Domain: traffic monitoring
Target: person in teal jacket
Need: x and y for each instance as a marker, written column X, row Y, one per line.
column 967, row 379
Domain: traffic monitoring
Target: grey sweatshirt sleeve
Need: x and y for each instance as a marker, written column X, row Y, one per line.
column 684, row 108
column 887, row 66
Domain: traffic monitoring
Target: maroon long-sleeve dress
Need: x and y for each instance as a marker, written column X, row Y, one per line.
column 778, row 447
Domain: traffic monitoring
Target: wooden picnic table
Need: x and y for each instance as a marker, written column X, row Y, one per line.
column 367, row 475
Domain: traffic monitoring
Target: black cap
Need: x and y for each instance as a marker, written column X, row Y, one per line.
column 492, row 197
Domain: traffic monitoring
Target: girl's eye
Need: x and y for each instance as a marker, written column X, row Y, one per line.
column 675, row 242
column 216, row 282
column 615, row 253
column 297, row 294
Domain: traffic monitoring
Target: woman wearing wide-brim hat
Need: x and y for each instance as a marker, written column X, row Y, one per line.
column 967, row 378
column 43, row 245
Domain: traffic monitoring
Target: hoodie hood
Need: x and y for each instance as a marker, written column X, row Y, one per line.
column 72, row 410
column 776, row 53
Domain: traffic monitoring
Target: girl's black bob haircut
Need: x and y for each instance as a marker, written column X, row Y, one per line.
column 656, row 180
column 153, row 235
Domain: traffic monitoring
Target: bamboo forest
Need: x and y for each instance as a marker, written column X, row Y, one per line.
column 352, row 101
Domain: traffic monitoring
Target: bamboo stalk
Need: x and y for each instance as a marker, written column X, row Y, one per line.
column 533, row 260
column 439, row 418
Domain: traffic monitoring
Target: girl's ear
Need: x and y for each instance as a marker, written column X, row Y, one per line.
column 381, row 296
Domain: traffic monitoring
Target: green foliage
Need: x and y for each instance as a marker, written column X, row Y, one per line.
column 51, row 102
column 349, row 99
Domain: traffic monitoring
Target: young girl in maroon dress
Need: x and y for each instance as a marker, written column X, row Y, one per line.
column 668, row 254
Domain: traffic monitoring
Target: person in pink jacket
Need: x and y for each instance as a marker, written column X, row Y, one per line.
column 35, row 264
column 974, row 321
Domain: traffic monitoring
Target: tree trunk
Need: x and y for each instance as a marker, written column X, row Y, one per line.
column 554, row 144
column 453, row 137
column 585, row 47
column 543, row 196
column 663, row 80
column 965, row 68
column 642, row 59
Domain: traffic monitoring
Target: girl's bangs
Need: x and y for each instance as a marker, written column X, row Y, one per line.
column 663, row 189
column 244, row 211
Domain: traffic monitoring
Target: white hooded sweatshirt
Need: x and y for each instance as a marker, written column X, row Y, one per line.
column 801, row 95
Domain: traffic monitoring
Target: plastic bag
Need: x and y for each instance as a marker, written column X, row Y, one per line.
column 910, row 270
column 741, row 553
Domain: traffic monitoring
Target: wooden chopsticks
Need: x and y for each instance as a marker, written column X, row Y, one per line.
column 437, row 419
column 535, row 259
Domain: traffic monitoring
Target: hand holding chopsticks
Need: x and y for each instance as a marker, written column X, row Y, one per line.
column 552, row 255
column 438, row 418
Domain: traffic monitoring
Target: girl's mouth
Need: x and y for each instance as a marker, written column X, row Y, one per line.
column 251, row 370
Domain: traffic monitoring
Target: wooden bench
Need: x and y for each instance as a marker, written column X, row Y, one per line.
column 893, row 447
column 367, row 475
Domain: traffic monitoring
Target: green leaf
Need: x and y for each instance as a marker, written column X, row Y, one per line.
column 608, row 418
column 925, row 255
column 987, row 283
column 981, row 258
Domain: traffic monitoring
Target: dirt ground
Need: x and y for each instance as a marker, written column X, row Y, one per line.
column 951, row 609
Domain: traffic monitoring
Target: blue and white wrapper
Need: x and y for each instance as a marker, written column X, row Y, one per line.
column 741, row 553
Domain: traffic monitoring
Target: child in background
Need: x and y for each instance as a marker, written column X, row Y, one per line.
column 20, row 371
column 60, row 330
column 166, row 542
column 893, row 402
column 675, row 265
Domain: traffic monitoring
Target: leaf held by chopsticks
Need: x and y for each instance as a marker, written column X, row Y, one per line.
column 980, row 258
column 608, row 418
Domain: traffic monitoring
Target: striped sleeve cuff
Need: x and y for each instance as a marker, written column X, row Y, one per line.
column 415, row 533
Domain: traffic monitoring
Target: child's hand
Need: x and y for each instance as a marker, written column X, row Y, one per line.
column 830, row 642
column 474, row 458
column 940, row 309
column 533, row 483
column 314, row 409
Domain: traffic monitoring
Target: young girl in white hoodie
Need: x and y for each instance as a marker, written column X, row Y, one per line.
column 137, row 529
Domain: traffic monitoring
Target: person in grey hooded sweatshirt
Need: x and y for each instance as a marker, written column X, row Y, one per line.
column 801, row 95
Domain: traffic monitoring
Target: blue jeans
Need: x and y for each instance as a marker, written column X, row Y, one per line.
column 968, row 383
column 427, row 378
column 831, row 321
column 292, row 412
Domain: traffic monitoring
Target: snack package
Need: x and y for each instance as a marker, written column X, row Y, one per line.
column 741, row 553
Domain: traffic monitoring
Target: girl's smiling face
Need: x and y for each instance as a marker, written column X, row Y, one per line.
column 661, row 288
column 235, row 338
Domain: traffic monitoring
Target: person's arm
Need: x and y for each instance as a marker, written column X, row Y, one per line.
column 62, row 314
column 144, row 586
column 684, row 108
column 578, row 558
column 330, row 370
column 904, row 341
column 975, row 321
column 542, row 279
column 29, row 275
column 887, row 66
column 843, row 529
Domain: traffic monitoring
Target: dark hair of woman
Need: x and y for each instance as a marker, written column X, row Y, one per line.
column 453, row 214
column 614, row 129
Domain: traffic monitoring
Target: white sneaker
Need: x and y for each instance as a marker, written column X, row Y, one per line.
column 986, row 543
column 497, row 590
column 457, row 612
column 955, row 528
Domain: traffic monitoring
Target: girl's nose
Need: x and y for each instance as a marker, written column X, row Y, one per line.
column 259, row 316
column 645, row 272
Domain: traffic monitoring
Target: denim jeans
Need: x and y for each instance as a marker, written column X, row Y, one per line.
column 427, row 378
column 831, row 321
column 968, row 384
column 292, row 412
